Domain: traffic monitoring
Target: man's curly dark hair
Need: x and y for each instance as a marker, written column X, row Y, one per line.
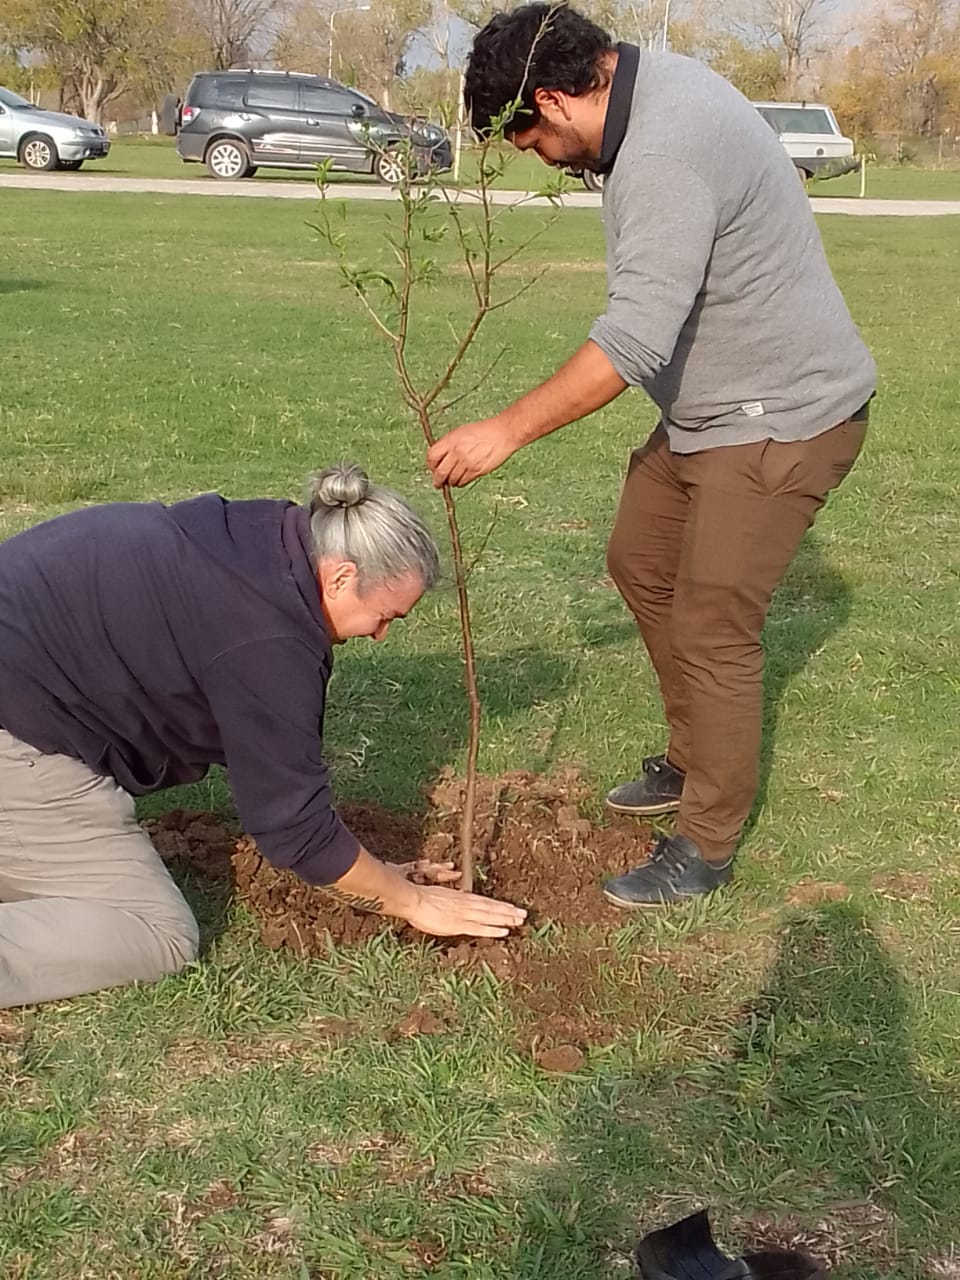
column 536, row 46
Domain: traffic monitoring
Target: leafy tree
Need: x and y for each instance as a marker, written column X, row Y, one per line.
column 756, row 70
column 903, row 74
column 98, row 50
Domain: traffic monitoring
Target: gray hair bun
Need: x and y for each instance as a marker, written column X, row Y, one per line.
column 342, row 485
column 369, row 525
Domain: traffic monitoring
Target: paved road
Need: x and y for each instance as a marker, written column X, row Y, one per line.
column 279, row 190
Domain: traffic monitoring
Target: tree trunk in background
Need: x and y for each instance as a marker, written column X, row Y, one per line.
column 94, row 92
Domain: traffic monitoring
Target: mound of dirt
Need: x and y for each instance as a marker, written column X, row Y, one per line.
column 532, row 847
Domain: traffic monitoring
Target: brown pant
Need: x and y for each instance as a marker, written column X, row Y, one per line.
column 700, row 542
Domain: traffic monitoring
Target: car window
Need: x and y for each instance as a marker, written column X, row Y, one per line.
column 314, row 97
column 13, row 99
column 275, row 95
column 217, row 91
column 797, row 119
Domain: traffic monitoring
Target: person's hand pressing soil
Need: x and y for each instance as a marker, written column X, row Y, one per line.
column 448, row 913
column 371, row 885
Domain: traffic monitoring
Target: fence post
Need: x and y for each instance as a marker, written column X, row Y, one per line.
column 458, row 135
column 863, row 175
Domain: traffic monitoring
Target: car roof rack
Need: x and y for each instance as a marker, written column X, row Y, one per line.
column 271, row 71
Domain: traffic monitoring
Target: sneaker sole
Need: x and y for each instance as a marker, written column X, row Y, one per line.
column 656, row 906
column 639, row 906
column 643, row 811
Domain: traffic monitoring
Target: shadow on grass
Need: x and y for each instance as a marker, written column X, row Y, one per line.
column 209, row 891
column 811, row 603
column 813, row 1111
column 20, row 286
column 395, row 720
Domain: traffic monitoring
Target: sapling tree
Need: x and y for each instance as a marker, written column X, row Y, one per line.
column 430, row 213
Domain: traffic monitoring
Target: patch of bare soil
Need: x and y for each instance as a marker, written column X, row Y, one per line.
column 201, row 842
column 902, row 886
column 533, row 848
column 809, row 893
column 11, row 1030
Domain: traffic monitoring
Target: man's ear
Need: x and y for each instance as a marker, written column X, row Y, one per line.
column 553, row 104
column 336, row 576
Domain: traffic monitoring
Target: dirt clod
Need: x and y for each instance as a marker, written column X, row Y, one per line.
column 220, row 1195
column 420, row 1021
column 11, row 1030
column 565, row 1058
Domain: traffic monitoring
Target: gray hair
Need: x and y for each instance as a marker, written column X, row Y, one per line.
column 376, row 529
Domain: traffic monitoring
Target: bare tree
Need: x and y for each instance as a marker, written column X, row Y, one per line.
column 234, row 30
column 798, row 29
column 365, row 47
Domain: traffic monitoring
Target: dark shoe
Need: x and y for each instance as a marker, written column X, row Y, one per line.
column 684, row 1250
column 658, row 791
column 674, row 871
column 688, row 1249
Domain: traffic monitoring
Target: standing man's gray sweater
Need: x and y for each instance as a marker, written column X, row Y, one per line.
column 721, row 303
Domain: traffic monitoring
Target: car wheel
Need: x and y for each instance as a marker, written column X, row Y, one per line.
column 37, row 151
column 592, row 181
column 803, row 174
column 390, row 166
column 72, row 165
column 228, row 159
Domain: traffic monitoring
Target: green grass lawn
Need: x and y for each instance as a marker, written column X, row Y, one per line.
column 789, row 1060
column 157, row 158
column 895, row 183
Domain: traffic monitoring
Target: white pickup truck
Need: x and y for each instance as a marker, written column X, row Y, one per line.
column 811, row 136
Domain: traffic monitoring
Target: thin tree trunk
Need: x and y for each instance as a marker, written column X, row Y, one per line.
column 468, row 815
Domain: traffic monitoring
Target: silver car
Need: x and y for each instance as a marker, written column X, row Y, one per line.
column 47, row 139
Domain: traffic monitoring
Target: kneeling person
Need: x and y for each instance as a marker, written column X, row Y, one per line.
column 141, row 643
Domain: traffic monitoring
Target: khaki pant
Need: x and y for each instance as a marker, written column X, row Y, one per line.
column 85, row 901
column 700, row 542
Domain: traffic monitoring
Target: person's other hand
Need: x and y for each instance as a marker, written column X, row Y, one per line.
column 449, row 913
column 468, row 452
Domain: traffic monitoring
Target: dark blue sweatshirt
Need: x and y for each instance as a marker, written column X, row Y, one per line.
column 151, row 642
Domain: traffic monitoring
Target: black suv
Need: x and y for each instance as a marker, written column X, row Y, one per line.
column 236, row 121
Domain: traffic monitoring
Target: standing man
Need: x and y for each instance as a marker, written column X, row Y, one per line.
column 722, row 307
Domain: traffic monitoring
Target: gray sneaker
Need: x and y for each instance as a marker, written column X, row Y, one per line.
column 658, row 791
column 674, row 872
